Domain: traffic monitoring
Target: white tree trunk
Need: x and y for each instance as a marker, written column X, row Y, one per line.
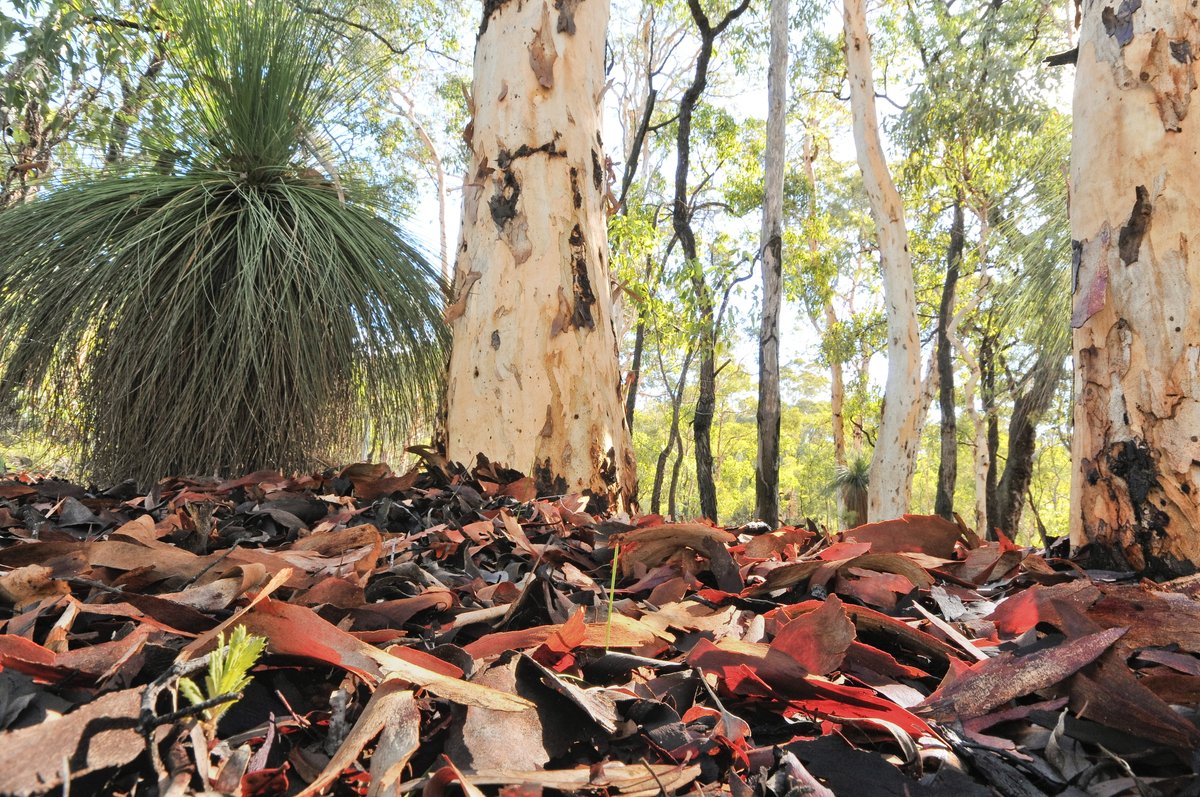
column 1135, row 221
column 837, row 387
column 534, row 379
column 899, row 437
column 766, row 465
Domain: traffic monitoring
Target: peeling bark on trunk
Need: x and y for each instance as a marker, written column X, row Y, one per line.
column 896, row 448
column 534, row 379
column 1134, row 218
column 766, row 465
column 948, row 464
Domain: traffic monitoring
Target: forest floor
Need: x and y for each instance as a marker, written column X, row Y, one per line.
column 446, row 631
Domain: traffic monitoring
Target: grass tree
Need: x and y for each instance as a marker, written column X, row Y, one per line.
column 240, row 307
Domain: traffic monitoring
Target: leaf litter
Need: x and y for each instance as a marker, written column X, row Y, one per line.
column 446, row 631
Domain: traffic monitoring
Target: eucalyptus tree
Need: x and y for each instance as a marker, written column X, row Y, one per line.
column 971, row 127
column 895, row 455
column 766, row 463
column 534, row 379
column 1136, row 313
column 681, row 219
column 242, row 306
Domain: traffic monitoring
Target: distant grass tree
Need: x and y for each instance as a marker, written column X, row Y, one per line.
column 852, row 481
column 240, row 307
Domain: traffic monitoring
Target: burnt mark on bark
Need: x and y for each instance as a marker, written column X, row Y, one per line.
column 775, row 245
column 566, row 15
column 1129, row 243
column 489, row 7
column 576, row 196
column 503, row 204
column 1119, row 23
column 546, row 481
column 1132, row 462
column 606, row 468
column 505, row 158
column 581, row 313
column 496, row 339
column 597, row 171
column 1181, row 51
column 1076, row 261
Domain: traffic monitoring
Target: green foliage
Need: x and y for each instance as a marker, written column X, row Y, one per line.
column 851, row 482
column 228, row 671
column 245, row 312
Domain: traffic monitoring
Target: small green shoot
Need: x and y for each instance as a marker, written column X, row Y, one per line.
column 228, row 671
column 612, row 588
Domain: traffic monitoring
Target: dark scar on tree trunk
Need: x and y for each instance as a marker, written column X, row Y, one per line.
column 597, row 171
column 566, row 15
column 504, row 158
column 576, row 196
column 489, row 7
column 503, row 204
column 1119, row 23
column 1130, row 241
column 581, row 315
column 546, row 481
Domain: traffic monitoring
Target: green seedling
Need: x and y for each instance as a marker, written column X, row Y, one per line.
column 228, row 672
column 612, row 589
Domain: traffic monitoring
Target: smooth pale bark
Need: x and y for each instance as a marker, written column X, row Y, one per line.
column 766, row 464
column 534, row 380
column 1135, row 216
column 895, row 456
column 943, row 503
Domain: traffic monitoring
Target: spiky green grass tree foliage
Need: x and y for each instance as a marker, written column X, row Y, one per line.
column 852, row 481
column 243, row 308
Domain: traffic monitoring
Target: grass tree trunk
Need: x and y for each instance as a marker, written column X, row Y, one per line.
column 766, row 466
column 948, row 463
column 534, row 378
column 1135, row 213
column 895, row 456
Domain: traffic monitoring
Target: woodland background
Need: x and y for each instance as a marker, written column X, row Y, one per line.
column 977, row 134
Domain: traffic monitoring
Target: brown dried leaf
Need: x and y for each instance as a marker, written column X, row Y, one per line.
column 992, row 683
column 99, row 735
column 928, row 534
